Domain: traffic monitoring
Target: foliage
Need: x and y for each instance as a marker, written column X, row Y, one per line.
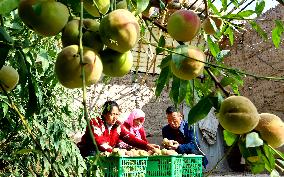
column 50, row 117
column 38, row 115
column 258, row 154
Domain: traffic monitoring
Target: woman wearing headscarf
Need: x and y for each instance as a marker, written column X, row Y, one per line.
column 107, row 132
column 134, row 123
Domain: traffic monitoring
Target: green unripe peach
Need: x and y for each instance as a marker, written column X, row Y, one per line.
column 68, row 67
column 9, row 78
column 91, row 36
column 238, row 115
column 189, row 67
column 116, row 64
column 46, row 18
column 101, row 7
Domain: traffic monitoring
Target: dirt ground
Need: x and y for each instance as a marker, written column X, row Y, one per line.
column 237, row 175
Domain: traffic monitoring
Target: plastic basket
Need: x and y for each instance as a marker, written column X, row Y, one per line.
column 192, row 166
column 124, row 166
column 163, row 166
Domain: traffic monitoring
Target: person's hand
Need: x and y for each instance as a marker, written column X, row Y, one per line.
column 152, row 146
column 174, row 145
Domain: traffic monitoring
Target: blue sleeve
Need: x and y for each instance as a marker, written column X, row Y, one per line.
column 189, row 147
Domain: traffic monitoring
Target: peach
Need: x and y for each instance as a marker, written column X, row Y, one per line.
column 189, row 67
column 183, row 25
column 119, row 30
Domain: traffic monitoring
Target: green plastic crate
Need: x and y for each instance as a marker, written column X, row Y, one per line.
column 124, row 166
column 192, row 166
column 164, row 166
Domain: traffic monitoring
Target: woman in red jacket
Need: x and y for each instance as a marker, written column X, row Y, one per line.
column 134, row 123
column 107, row 132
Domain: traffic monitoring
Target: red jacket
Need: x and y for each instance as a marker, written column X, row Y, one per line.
column 107, row 140
column 141, row 131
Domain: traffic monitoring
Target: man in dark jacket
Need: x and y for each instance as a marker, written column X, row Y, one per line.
column 179, row 131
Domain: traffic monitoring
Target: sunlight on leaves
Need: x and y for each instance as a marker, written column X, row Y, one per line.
column 274, row 173
column 253, row 140
column 229, row 137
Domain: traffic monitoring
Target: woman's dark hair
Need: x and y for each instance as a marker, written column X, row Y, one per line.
column 171, row 109
column 107, row 107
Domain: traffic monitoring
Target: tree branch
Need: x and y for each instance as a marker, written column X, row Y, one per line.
column 227, row 93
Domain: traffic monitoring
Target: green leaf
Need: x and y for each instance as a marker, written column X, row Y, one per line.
column 229, row 137
column 230, row 32
column 189, row 94
column 200, row 110
column 33, row 101
column 22, row 69
column 4, row 36
column 246, row 13
column 162, row 5
column 233, row 17
column 165, row 61
column 183, row 88
column 269, row 153
column 141, row 6
column 224, row 5
column 265, row 160
column 257, row 168
column 227, row 81
column 259, row 7
column 253, row 140
column 213, row 46
column 220, row 99
column 4, row 51
column 161, row 45
column 259, row 30
column 5, row 108
column 235, row 2
column 277, row 32
column 162, row 80
column 174, row 93
column 177, row 57
column 6, row 6
column 212, row 7
column 27, row 151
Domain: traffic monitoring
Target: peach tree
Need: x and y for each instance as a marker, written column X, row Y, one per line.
column 57, row 45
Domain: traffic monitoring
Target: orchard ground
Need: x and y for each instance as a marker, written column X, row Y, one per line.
column 237, row 174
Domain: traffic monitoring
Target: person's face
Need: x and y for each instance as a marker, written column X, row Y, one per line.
column 138, row 121
column 174, row 119
column 112, row 116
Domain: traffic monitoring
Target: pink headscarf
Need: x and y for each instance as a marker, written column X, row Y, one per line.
column 136, row 113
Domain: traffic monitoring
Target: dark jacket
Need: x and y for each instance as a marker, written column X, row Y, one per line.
column 190, row 141
column 189, row 145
